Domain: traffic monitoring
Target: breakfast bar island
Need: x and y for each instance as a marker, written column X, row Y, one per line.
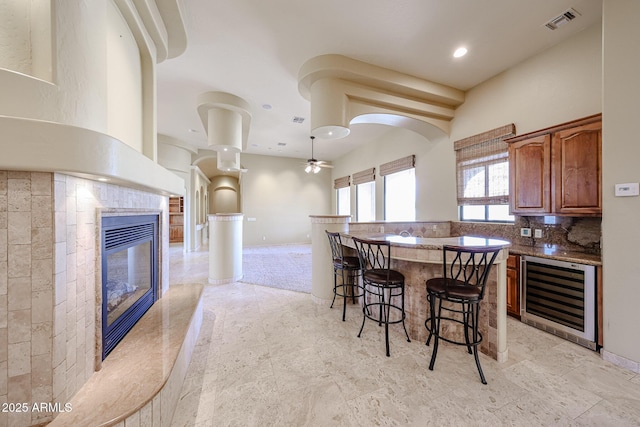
column 416, row 252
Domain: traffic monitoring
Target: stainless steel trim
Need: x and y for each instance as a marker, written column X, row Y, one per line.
column 559, row 295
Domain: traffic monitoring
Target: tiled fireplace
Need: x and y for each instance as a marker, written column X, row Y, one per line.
column 50, row 303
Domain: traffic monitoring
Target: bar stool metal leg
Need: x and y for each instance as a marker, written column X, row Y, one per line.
column 475, row 311
column 349, row 267
column 435, row 330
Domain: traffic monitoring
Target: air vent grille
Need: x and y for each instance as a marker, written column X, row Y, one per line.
column 125, row 236
column 560, row 20
column 297, row 119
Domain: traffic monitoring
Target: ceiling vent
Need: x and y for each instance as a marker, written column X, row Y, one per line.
column 282, row 144
column 297, row 119
column 559, row 21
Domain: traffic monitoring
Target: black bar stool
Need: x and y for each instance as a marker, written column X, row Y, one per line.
column 462, row 288
column 382, row 286
column 348, row 267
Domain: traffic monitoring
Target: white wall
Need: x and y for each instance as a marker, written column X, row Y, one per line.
column 435, row 171
column 556, row 86
column 620, row 159
column 280, row 196
column 77, row 95
column 26, row 37
column 124, row 81
column 15, row 52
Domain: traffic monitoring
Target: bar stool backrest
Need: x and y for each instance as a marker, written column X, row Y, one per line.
column 335, row 242
column 469, row 266
column 374, row 254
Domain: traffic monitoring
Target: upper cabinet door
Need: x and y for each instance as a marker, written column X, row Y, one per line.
column 577, row 163
column 529, row 175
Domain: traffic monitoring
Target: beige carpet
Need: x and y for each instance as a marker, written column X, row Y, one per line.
column 279, row 266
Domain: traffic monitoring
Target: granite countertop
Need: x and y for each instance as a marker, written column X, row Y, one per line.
column 547, row 251
column 432, row 242
column 555, row 252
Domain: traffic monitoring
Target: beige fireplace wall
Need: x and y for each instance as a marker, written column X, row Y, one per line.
column 49, row 252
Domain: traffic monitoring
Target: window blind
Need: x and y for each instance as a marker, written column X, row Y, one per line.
column 482, row 167
column 398, row 165
column 341, row 182
column 366, row 175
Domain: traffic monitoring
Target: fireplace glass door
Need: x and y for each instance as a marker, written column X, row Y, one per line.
column 129, row 274
column 128, row 278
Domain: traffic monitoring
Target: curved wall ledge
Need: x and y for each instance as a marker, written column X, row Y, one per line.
column 161, row 20
column 36, row 145
column 341, row 88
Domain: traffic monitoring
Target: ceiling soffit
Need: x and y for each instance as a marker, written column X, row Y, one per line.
column 340, row 89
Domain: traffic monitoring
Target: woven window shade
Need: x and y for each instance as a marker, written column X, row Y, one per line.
column 398, row 165
column 482, row 165
column 341, row 182
column 366, row 175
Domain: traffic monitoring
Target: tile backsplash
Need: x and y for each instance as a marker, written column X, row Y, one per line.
column 581, row 234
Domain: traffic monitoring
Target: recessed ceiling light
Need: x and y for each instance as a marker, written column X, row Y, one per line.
column 461, row 51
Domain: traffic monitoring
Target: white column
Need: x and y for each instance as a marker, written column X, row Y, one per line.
column 225, row 248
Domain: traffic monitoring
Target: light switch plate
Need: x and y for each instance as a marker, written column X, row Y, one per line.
column 627, row 190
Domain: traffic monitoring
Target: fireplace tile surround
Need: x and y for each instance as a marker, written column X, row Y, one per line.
column 49, row 256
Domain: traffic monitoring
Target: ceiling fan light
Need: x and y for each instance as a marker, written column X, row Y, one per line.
column 460, row 52
column 316, row 168
column 307, row 169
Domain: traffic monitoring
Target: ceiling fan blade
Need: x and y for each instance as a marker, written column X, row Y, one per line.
column 323, row 164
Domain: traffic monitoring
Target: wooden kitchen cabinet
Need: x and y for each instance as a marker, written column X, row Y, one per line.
column 577, row 162
column 530, row 175
column 513, row 286
column 558, row 170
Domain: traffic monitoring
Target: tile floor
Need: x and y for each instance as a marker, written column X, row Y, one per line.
column 271, row 357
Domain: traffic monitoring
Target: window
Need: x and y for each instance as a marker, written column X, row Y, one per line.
column 399, row 189
column 366, row 201
column 343, row 195
column 365, row 195
column 344, row 201
column 482, row 164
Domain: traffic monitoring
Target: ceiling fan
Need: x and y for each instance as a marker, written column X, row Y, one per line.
column 314, row 165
